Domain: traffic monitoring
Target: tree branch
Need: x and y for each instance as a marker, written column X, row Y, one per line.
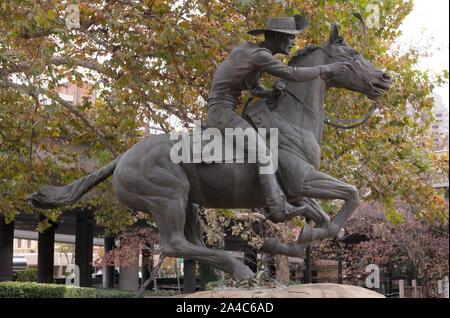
column 24, row 66
column 32, row 90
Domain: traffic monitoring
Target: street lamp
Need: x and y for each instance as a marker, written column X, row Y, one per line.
column 340, row 236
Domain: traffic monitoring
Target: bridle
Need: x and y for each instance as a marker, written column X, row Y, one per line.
column 335, row 122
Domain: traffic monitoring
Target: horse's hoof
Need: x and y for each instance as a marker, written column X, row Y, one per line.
column 298, row 249
column 306, row 236
column 243, row 273
column 269, row 245
column 276, row 217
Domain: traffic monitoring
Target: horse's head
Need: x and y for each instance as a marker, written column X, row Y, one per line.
column 362, row 77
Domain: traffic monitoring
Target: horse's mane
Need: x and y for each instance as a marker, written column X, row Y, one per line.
column 302, row 53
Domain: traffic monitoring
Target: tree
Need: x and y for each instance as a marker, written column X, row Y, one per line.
column 130, row 242
column 66, row 249
column 151, row 63
column 418, row 249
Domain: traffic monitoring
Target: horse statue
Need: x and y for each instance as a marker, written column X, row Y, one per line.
column 146, row 179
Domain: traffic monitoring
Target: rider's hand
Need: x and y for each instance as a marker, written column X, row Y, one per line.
column 334, row 69
column 278, row 89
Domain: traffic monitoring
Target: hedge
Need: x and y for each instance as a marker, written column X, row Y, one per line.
column 116, row 293
column 36, row 290
column 28, row 275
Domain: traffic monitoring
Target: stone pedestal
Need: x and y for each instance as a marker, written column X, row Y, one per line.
column 129, row 274
column 295, row 291
column 282, row 273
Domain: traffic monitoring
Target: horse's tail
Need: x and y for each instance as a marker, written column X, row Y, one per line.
column 55, row 196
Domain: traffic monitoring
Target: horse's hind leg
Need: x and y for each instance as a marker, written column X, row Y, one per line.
column 193, row 228
column 171, row 224
column 164, row 193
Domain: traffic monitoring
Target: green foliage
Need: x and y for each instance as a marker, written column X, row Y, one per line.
column 31, row 290
column 35, row 290
column 28, row 275
column 80, row 292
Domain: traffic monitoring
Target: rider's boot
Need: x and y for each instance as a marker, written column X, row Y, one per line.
column 279, row 210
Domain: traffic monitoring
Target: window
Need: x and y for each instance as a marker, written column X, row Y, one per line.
column 19, row 243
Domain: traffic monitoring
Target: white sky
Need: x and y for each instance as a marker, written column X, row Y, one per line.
column 428, row 24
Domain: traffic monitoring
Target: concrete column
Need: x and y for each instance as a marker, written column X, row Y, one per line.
column 129, row 275
column 282, row 272
column 83, row 245
column 189, row 281
column 401, row 288
column 440, row 290
column 6, row 249
column 446, row 286
column 46, row 254
column 108, row 271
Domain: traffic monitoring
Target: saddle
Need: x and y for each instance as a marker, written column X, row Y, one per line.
column 258, row 114
column 204, row 150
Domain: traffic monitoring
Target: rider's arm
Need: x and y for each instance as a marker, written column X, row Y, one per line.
column 265, row 61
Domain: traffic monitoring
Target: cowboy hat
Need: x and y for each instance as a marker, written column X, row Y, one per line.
column 288, row 25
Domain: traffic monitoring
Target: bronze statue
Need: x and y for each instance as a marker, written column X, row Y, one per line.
column 240, row 71
column 145, row 179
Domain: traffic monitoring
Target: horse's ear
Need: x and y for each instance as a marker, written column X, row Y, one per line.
column 334, row 35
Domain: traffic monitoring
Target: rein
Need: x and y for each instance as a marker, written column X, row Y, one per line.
column 335, row 122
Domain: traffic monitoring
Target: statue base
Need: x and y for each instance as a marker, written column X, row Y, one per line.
column 324, row 290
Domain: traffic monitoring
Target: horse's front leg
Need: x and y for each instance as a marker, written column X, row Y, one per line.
column 320, row 186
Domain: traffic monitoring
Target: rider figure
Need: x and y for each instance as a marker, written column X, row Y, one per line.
column 240, row 71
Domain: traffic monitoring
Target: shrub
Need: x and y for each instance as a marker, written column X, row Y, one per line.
column 36, row 290
column 28, row 275
column 116, row 293
column 31, row 290
column 81, row 292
